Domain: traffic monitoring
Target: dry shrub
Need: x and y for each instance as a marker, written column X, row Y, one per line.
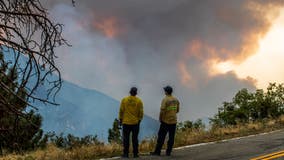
column 271, row 123
column 147, row 145
column 281, row 119
column 255, row 126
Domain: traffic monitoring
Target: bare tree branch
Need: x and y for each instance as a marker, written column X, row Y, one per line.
column 26, row 32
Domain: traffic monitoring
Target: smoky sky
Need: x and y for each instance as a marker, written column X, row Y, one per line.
column 117, row 44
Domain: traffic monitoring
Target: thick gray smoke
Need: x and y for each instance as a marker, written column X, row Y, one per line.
column 150, row 44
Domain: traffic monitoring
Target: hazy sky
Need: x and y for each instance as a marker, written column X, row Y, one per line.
column 207, row 50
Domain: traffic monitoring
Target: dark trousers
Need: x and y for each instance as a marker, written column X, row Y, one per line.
column 127, row 129
column 164, row 129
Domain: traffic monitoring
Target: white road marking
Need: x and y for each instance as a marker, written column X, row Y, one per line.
column 208, row 143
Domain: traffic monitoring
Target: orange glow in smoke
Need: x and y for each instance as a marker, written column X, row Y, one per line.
column 214, row 59
column 259, row 58
column 202, row 51
column 108, row 27
column 266, row 64
column 185, row 76
column 194, row 49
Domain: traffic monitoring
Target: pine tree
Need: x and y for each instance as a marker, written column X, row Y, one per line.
column 19, row 126
column 114, row 135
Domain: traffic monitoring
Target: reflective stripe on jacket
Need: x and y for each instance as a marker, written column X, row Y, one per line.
column 131, row 110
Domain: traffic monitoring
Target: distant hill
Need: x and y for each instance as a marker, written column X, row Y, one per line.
column 84, row 112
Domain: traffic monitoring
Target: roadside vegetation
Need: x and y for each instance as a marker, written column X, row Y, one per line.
column 186, row 135
column 248, row 113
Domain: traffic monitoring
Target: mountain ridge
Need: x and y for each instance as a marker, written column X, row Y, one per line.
column 85, row 111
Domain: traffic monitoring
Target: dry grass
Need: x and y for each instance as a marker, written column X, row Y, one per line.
column 187, row 137
column 82, row 153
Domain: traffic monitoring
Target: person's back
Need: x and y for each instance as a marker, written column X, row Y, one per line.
column 168, row 119
column 131, row 110
column 130, row 115
column 170, row 108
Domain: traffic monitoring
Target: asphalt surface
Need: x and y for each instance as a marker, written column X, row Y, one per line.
column 236, row 149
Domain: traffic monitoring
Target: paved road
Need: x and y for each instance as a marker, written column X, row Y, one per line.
column 236, row 149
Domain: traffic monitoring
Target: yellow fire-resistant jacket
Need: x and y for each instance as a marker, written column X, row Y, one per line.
column 169, row 110
column 131, row 110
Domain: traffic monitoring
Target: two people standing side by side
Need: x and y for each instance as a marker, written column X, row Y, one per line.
column 131, row 114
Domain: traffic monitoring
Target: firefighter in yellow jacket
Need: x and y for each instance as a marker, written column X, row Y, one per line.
column 168, row 119
column 130, row 115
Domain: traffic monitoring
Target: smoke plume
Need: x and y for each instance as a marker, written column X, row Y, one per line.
column 150, row 44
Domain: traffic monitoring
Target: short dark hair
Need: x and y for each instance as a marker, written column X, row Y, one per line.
column 168, row 90
column 133, row 91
